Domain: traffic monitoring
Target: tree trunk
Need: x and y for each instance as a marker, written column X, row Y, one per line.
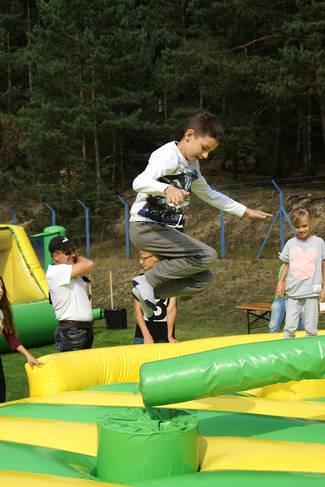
column 165, row 105
column 83, row 135
column 30, row 77
column 122, row 161
column 95, row 131
column 184, row 23
column 322, row 116
column 235, row 166
column 307, row 142
column 275, row 168
column 299, row 137
column 114, row 159
column 223, row 105
column 201, row 97
column 82, row 102
column 9, row 73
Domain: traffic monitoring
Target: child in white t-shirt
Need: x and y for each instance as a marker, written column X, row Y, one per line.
column 69, row 296
column 303, row 278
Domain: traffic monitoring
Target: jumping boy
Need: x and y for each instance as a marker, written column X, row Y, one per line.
column 164, row 188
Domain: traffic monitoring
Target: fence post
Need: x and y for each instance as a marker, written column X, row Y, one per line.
column 87, row 227
column 53, row 214
column 222, row 230
column 126, row 224
column 281, row 214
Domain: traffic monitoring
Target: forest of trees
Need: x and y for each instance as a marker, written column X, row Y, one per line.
column 90, row 87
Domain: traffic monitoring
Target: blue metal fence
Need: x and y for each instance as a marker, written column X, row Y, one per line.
column 280, row 215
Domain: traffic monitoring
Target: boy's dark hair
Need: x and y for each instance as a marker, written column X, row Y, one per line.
column 206, row 123
column 298, row 214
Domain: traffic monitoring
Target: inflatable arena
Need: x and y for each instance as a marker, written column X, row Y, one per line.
column 246, row 410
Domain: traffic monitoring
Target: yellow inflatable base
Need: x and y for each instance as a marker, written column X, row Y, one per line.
column 63, row 376
column 216, row 453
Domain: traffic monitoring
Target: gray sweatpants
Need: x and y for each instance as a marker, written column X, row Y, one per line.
column 184, row 261
column 294, row 308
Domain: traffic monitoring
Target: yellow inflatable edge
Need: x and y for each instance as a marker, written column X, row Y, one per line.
column 72, row 371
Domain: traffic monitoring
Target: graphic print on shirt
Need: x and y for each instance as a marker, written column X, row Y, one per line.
column 302, row 262
column 161, row 312
column 159, row 210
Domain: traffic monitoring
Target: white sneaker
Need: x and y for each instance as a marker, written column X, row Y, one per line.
column 146, row 307
column 145, row 289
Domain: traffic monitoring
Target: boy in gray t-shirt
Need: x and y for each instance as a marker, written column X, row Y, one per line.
column 303, row 279
column 157, row 215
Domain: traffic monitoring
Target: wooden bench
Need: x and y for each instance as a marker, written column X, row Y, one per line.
column 258, row 314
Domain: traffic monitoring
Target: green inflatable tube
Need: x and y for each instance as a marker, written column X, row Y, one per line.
column 142, row 444
column 231, row 369
column 36, row 322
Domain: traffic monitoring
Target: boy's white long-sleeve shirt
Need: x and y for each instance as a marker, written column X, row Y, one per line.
column 167, row 161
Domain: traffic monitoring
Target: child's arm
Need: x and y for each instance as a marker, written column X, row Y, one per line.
column 221, row 201
column 160, row 164
column 322, row 294
column 29, row 357
column 147, row 338
column 81, row 266
column 175, row 195
column 281, row 286
column 147, row 183
column 257, row 214
column 171, row 318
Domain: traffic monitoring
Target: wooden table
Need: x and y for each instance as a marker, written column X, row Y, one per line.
column 258, row 314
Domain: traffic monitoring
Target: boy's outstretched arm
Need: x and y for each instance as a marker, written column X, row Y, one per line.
column 223, row 202
column 257, row 214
